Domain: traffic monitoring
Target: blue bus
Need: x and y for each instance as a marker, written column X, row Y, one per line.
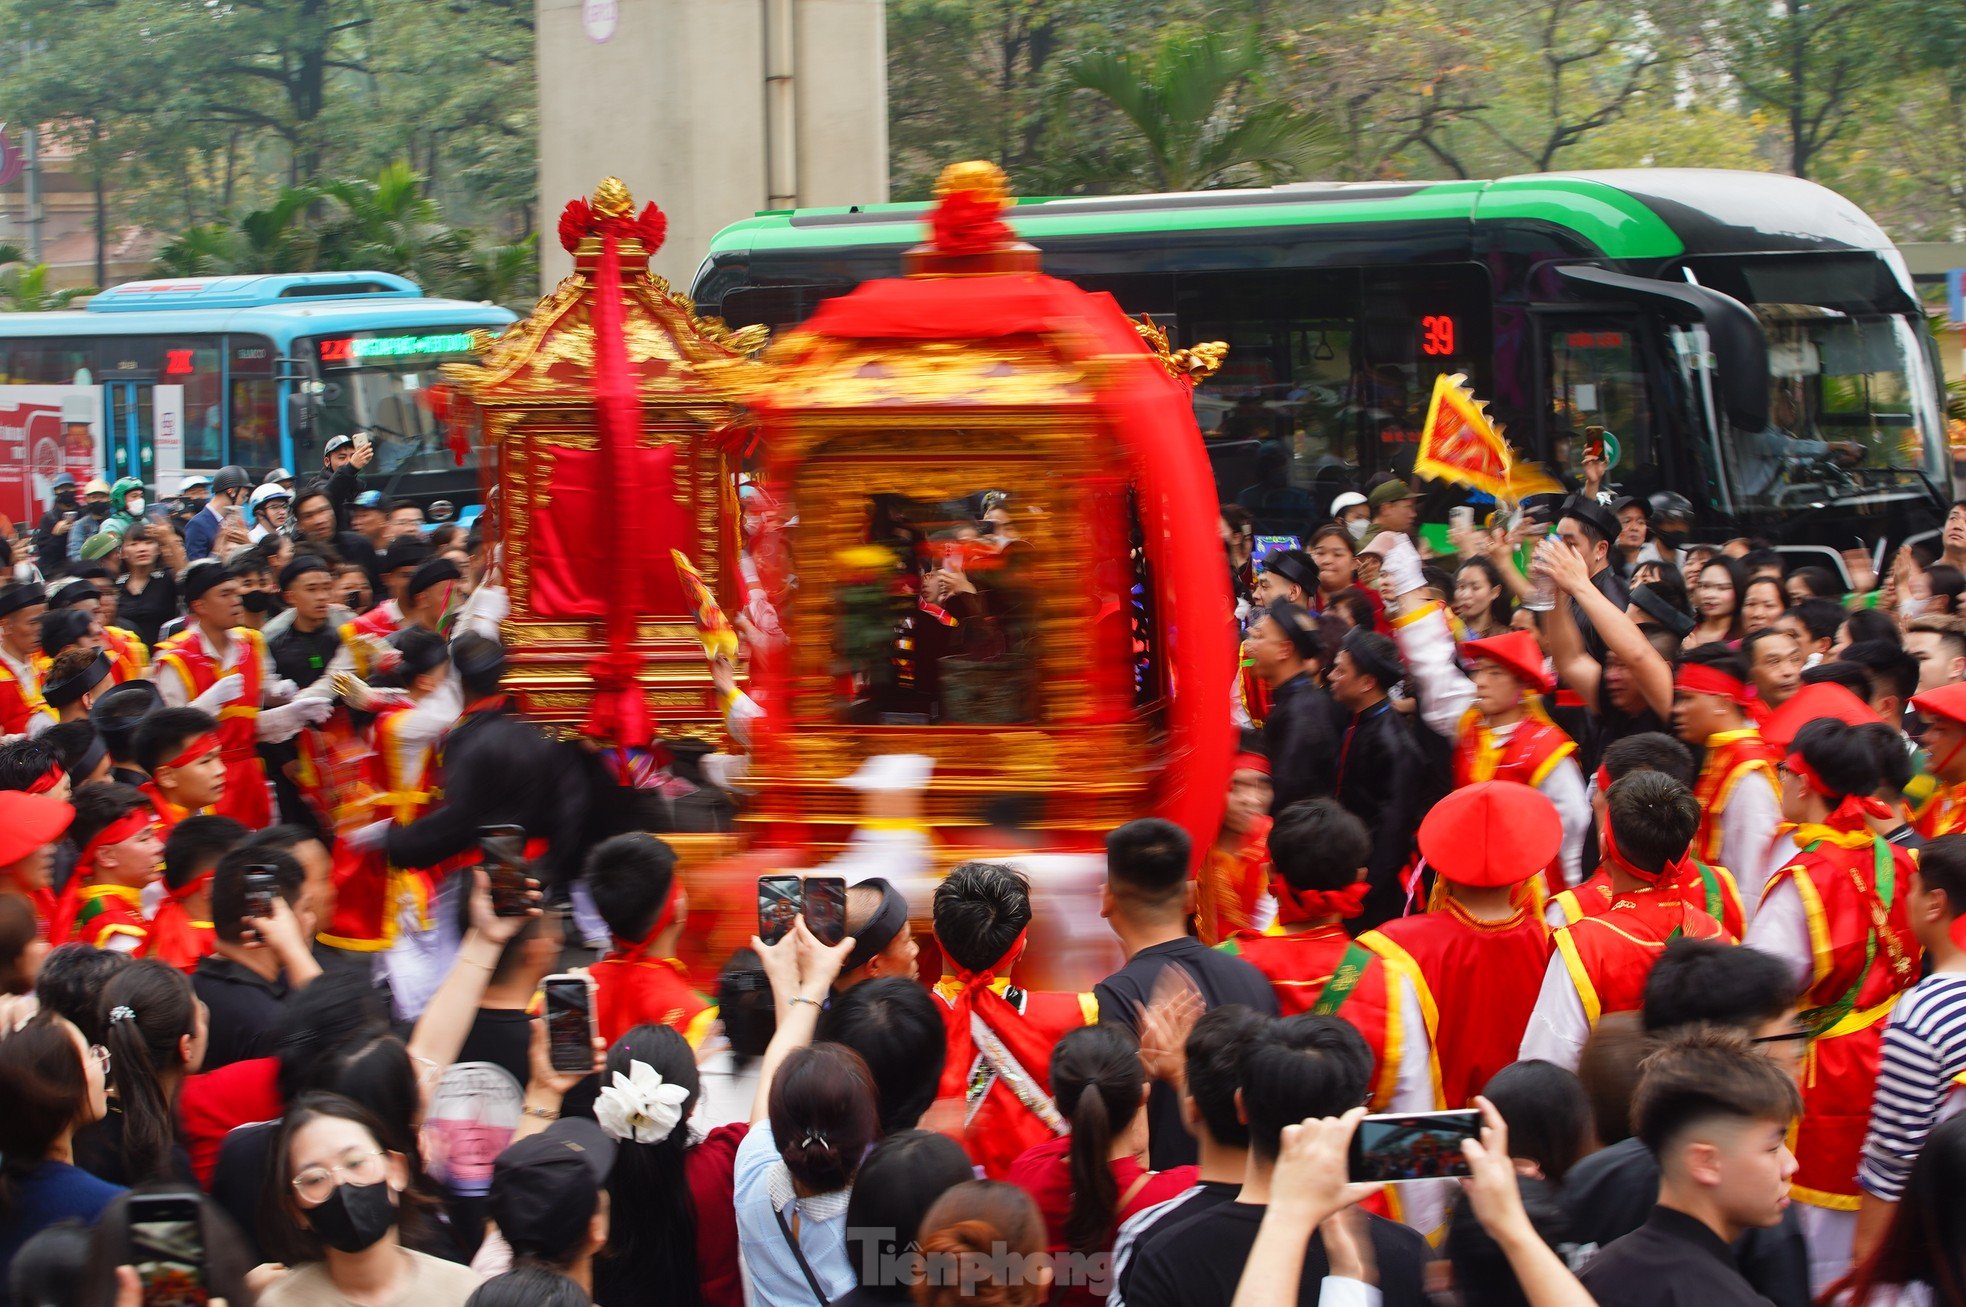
column 271, row 368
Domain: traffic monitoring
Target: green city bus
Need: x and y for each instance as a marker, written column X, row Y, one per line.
column 1750, row 342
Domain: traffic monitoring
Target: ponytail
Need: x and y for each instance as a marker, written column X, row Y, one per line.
column 1098, row 1082
column 147, row 1009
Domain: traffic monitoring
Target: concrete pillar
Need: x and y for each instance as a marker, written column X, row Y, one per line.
column 675, row 103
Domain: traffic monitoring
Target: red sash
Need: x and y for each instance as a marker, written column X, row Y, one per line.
column 177, row 939
column 168, row 814
column 246, row 800
column 1864, row 958
column 631, row 991
column 1298, row 966
column 1005, row 1115
column 1609, row 954
column 1732, row 756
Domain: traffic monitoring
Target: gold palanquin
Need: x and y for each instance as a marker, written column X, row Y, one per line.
column 849, row 420
column 529, row 402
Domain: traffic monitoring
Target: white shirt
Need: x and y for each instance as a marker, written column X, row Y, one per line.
column 1747, row 829
column 1558, row 1025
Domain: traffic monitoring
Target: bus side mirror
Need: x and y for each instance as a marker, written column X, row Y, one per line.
column 300, row 414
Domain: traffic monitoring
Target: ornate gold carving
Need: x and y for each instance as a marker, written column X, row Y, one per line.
column 612, row 200
column 979, row 177
column 1015, row 372
column 1198, row 364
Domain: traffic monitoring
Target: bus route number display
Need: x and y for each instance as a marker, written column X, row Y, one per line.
column 353, row 351
column 1437, row 335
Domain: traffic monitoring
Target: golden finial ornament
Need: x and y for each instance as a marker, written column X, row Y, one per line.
column 978, row 178
column 611, row 198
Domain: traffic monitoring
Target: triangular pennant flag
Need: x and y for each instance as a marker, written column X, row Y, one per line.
column 713, row 629
column 1459, row 443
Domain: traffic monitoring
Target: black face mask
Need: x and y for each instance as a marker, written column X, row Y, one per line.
column 260, row 601
column 100, row 510
column 65, row 496
column 354, row 1217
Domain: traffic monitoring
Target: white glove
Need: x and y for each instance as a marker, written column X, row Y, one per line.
column 282, row 690
column 369, row 838
column 225, row 690
column 313, row 711
column 489, row 603
column 1398, row 560
column 276, row 725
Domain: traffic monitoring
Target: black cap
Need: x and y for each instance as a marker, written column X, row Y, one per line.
column 232, row 477
column 300, row 567
column 62, row 627
column 1660, row 609
column 888, row 921
column 116, row 714
column 1300, row 628
column 546, row 1187
column 73, row 592
column 16, row 597
column 336, row 444
column 433, row 571
column 405, row 551
column 1294, row 566
column 60, row 694
column 201, row 576
column 1632, row 501
column 1376, row 655
column 1595, row 515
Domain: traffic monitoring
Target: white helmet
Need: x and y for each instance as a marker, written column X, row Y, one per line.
column 267, row 493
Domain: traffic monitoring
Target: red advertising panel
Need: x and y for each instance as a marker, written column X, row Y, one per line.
column 45, row 431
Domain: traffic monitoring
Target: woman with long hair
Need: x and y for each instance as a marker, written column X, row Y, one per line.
column 146, row 594
column 1717, row 599
column 337, row 1194
column 155, row 1029
column 1092, row 1179
column 1336, row 555
column 1924, row 1246
column 1481, row 601
column 899, row 1182
column 965, row 1237
column 51, row 1084
column 1548, row 1115
column 680, row 1247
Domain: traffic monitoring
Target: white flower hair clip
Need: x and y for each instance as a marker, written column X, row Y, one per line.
column 640, row 1106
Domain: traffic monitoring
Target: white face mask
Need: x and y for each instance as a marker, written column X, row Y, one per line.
column 135, row 506
column 1357, row 527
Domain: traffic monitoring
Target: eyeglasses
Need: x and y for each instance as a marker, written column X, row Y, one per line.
column 317, row 1182
column 101, row 1055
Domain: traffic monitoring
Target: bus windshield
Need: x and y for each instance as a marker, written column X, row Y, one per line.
column 1852, row 411
column 379, row 382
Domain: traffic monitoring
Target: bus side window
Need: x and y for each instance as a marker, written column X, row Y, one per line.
column 195, row 362
column 1597, row 379
column 255, row 405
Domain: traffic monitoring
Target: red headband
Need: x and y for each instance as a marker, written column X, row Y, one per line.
column 663, row 920
column 981, row 979
column 1602, row 779
column 128, row 826
column 198, row 748
column 1850, row 810
column 1249, row 762
column 1698, row 678
column 49, row 779
column 1608, row 849
column 1295, row 905
column 183, row 893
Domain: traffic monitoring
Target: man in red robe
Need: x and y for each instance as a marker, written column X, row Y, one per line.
column 635, row 887
column 29, row 826
column 1319, row 885
column 1461, row 981
column 22, row 709
column 1835, row 911
column 1736, row 787
column 179, row 749
column 1602, row 961
column 1944, row 711
column 1232, row 889
column 181, row 929
column 1000, row 1036
column 103, row 903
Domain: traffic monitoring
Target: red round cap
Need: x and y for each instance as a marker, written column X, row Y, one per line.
column 1517, row 651
column 28, row 821
column 1948, row 701
column 1492, row 834
column 1813, row 703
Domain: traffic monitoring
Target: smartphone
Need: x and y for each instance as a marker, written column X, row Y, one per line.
column 504, row 851
column 1413, row 1145
column 570, row 1025
column 825, row 908
column 362, row 440
column 167, row 1248
column 1461, row 516
column 262, row 885
column 70, row 515
column 1594, row 445
column 780, row 900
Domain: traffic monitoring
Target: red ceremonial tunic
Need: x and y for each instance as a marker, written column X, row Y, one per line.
column 1732, row 756
column 1476, row 982
column 20, row 701
column 1945, row 814
column 1712, row 889
column 1298, row 965
column 631, row 990
column 168, row 814
column 176, row 938
column 379, row 623
column 1609, row 954
column 1864, row 956
column 1045, row 1173
column 1527, row 757
column 245, row 799
column 369, row 892
column 97, row 915
column 1231, row 884
column 1006, row 1089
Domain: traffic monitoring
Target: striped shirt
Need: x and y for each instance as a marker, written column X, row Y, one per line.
column 1924, row 1057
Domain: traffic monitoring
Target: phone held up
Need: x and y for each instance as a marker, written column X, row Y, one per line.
column 504, row 851
column 1397, row 1147
column 261, row 885
column 167, row 1250
column 571, row 1026
column 782, row 900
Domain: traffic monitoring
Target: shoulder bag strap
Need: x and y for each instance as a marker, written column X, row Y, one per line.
column 805, row 1267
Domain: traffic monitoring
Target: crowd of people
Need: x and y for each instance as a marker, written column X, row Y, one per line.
column 1651, row 855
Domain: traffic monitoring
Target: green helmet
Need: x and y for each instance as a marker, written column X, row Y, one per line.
column 120, row 492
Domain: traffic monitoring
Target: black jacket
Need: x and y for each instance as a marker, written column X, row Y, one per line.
column 342, row 488
column 499, row 769
column 1381, row 782
column 1300, row 735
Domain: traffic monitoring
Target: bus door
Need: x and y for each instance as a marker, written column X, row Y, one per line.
column 130, row 430
column 1593, row 370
